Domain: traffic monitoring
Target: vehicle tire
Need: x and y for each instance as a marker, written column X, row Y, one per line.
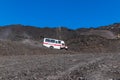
column 51, row 47
column 66, row 49
column 61, row 48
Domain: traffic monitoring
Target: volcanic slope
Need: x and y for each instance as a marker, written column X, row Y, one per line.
column 80, row 40
column 90, row 56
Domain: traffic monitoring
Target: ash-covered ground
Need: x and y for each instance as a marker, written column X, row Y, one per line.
column 93, row 54
column 29, row 60
column 67, row 66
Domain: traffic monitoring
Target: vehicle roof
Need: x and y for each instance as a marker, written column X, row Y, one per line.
column 53, row 39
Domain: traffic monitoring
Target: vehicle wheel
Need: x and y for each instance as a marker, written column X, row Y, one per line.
column 61, row 48
column 51, row 47
column 66, row 49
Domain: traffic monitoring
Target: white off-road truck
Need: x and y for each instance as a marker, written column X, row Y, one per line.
column 54, row 43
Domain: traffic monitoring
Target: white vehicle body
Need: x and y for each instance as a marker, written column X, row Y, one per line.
column 54, row 43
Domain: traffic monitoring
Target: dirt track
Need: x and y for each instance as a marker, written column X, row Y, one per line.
column 60, row 67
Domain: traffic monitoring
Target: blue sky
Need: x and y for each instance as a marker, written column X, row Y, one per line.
column 53, row 13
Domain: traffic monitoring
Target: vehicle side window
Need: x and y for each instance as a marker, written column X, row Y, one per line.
column 53, row 41
column 47, row 40
column 56, row 41
column 59, row 42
